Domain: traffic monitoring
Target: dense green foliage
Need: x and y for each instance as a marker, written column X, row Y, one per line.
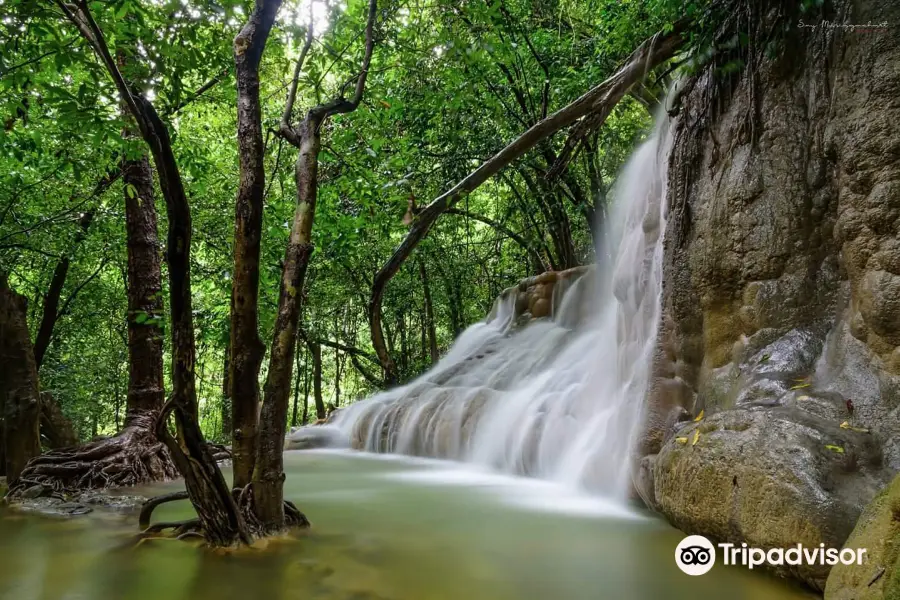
column 451, row 83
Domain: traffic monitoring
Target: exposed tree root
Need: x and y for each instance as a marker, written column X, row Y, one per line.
column 193, row 528
column 219, row 452
column 135, row 456
column 151, row 504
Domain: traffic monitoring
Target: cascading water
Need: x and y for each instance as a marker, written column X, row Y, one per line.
column 559, row 398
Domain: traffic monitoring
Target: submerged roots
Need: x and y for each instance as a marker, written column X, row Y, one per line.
column 193, row 528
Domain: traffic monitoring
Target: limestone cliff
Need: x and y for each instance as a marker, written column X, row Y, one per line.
column 781, row 302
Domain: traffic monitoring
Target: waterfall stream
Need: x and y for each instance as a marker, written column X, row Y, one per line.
column 559, row 398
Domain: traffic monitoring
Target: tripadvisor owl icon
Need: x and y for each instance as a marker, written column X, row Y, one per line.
column 695, row 555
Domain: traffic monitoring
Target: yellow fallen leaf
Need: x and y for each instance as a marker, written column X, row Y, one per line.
column 681, row 440
column 801, row 398
column 699, row 417
column 801, row 386
column 696, row 437
column 847, row 425
column 837, row 449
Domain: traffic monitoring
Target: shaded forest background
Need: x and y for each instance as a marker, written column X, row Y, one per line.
column 449, row 85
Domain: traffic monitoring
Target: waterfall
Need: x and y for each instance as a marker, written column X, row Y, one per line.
column 560, row 397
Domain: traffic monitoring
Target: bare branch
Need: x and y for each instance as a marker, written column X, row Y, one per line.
column 286, row 128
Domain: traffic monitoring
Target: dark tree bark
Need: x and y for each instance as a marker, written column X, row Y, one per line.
column 429, row 314
column 598, row 102
column 19, row 392
column 134, row 455
column 50, row 310
column 316, row 351
column 145, row 309
column 227, row 424
column 268, row 477
column 221, row 519
column 296, row 409
column 247, row 349
column 305, row 418
column 56, row 428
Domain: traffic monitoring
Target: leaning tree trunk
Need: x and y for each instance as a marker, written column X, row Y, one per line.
column 596, row 103
column 268, row 479
column 50, row 309
column 219, row 516
column 19, row 393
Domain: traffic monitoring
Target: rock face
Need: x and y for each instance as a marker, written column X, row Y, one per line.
column 878, row 530
column 781, row 302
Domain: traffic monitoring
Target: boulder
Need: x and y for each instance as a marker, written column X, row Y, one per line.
column 878, row 531
column 769, row 477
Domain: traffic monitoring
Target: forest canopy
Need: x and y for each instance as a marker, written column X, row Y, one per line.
column 450, row 84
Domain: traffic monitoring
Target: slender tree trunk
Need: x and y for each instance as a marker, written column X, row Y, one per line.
column 226, row 395
column 268, row 477
column 19, row 392
column 296, row 393
column 247, row 349
column 429, row 314
column 305, row 418
column 316, row 351
column 404, row 346
column 145, row 309
column 50, row 310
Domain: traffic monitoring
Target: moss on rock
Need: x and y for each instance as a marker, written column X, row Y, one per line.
column 878, row 531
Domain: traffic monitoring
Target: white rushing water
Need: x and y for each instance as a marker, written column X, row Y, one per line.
column 561, row 398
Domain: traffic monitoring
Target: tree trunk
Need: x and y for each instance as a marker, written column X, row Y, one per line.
column 221, row 520
column 19, row 391
column 429, row 314
column 316, row 351
column 598, row 102
column 296, row 408
column 145, row 309
column 226, row 410
column 305, row 419
column 247, row 349
column 50, row 310
column 268, row 476
column 56, row 427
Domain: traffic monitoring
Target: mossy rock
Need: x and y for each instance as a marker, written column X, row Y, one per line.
column 878, row 530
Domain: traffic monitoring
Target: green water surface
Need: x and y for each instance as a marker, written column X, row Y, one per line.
column 383, row 529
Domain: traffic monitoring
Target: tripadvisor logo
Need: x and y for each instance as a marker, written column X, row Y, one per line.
column 696, row 555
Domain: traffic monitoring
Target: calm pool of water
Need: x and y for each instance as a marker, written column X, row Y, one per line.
column 383, row 529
